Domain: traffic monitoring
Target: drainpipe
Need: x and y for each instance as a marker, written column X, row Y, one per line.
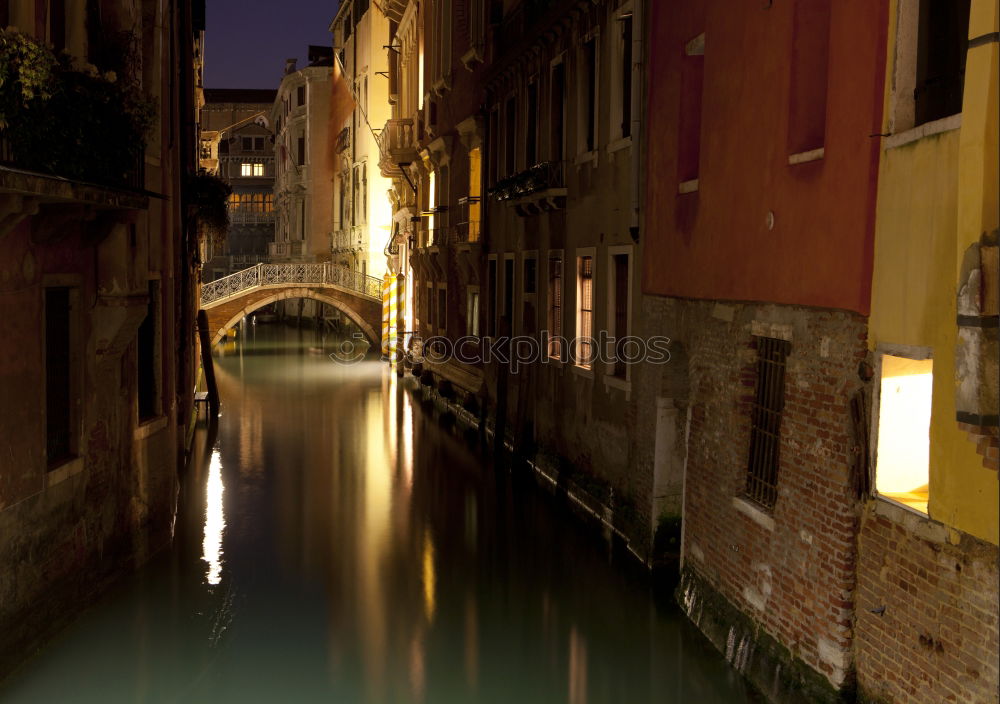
column 638, row 31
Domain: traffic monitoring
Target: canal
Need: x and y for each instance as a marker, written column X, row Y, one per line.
column 334, row 544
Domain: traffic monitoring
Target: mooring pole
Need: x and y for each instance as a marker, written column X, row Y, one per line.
column 206, row 363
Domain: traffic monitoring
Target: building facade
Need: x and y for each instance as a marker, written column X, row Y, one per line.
column 926, row 597
column 803, row 240
column 98, row 299
column 362, row 220
column 237, row 144
column 303, row 179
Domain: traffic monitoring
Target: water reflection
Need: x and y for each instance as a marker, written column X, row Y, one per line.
column 336, row 545
column 215, row 521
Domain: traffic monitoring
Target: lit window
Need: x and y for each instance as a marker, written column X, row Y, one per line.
column 585, row 311
column 251, row 169
column 904, row 417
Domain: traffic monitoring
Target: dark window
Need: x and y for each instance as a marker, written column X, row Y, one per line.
column 300, row 95
column 555, row 307
column 590, row 93
column 765, row 421
column 58, row 375
column 493, row 155
column 224, row 146
column 531, row 128
column 510, row 135
column 557, row 111
column 301, row 151
column 530, row 276
column 508, row 288
column 491, row 317
column 620, row 272
column 148, row 342
column 442, row 311
column 57, row 24
column 4, row 13
column 258, row 144
column 246, row 143
column 942, row 43
column 810, row 59
column 626, row 76
column 689, row 128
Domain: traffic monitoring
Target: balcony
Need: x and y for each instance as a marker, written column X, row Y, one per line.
column 397, row 147
column 541, row 188
column 348, row 240
column 242, row 216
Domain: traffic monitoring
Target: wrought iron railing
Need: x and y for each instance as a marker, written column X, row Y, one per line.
column 540, row 177
column 133, row 177
column 295, row 273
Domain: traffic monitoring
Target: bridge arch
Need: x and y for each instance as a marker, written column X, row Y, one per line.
column 257, row 302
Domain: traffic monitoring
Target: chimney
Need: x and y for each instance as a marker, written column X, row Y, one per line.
column 290, row 65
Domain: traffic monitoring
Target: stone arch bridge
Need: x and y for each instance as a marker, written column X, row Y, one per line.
column 358, row 296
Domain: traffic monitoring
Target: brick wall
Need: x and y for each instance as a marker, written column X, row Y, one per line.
column 791, row 570
column 926, row 611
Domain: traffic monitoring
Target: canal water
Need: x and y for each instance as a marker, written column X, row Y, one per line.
column 334, row 544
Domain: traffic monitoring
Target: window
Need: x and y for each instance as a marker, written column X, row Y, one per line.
column 475, row 195
column 442, row 308
column 300, row 95
column 531, row 127
column 588, row 94
column 810, row 59
column 529, row 289
column 508, row 288
column 555, row 348
column 472, row 311
column 251, row 169
column 765, row 421
column 618, row 304
column 510, row 136
column 931, row 47
column 942, row 43
column 689, row 126
column 626, row 76
column 148, row 356
column 57, row 24
column 904, row 417
column 301, row 153
column 364, row 192
column 493, row 147
column 557, row 111
column 246, row 143
column 61, row 384
column 584, row 311
column 491, row 313
column 5, row 13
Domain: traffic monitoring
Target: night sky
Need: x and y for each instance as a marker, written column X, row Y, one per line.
column 247, row 41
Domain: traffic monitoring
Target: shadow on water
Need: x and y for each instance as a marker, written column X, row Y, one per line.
column 337, row 543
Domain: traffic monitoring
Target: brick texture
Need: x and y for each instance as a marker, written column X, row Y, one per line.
column 927, row 611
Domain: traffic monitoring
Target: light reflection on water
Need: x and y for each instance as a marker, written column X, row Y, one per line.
column 336, row 545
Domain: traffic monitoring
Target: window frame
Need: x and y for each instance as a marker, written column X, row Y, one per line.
column 627, row 250
column 550, row 307
column 582, row 253
column 764, row 495
column 585, row 150
column 75, row 369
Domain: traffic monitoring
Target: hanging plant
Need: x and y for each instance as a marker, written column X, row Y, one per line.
column 208, row 202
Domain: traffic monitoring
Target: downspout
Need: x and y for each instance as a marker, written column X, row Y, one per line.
column 638, row 31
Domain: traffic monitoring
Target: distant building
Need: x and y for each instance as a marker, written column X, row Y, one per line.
column 303, row 186
column 362, row 217
column 98, row 296
column 237, row 144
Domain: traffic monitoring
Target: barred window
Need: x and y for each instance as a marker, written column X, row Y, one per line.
column 555, row 307
column 765, row 429
column 585, row 312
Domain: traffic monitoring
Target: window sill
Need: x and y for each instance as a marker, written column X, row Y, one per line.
column 63, row 472
column 619, row 144
column 149, row 427
column 616, row 382
column 806, row 157
column 688, row 186
column 754, row 513
column 928, row 129
column 583, row 371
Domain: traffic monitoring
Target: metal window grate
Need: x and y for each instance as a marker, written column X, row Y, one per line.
column 765, row 429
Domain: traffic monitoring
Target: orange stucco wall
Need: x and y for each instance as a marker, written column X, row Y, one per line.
column 716, row 243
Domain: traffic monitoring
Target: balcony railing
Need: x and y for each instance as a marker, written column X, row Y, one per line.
column 467, row 232
column 245, row 217
column 542, row 177
column 397, row 145
column 132, row 178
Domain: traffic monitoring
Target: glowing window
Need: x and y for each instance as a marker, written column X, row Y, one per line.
column 904, row 417
column 251, row 169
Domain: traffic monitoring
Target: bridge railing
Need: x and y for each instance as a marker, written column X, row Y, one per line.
column 290, row 273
